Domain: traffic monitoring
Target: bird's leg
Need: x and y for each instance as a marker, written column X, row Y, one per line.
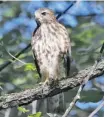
column 46, row 78
column 46, row 82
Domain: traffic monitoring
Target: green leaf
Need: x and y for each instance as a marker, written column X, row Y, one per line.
column 29, row 67
column 9, row 13
column 19, row 81
column 22, row 109
column 38, row 114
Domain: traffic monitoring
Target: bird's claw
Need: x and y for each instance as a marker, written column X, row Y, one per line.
column 46, row 82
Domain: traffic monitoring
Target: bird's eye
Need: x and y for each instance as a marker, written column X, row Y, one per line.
column 43, row 13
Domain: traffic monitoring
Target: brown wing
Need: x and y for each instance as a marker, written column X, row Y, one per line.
column 67, row 63
column 67, row 49
column 36, row 64
column 34, row 56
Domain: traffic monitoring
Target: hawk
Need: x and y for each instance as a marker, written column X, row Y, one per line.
column 51, row 47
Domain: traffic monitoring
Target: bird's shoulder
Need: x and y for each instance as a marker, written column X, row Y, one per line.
column 36, row 35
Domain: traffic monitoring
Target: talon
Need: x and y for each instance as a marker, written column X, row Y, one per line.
column 46, row 82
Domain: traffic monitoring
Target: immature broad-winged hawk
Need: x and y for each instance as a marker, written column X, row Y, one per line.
column 51, row 47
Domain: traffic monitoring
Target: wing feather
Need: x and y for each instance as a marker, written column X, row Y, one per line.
column 36, row 64
column 34, row 56
column 67, row 63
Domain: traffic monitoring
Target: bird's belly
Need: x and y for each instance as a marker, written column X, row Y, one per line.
column 47, row 56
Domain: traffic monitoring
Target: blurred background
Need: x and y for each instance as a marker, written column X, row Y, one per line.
column 85, row 24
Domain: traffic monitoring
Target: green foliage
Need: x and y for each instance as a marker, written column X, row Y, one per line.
column 22, row 109
column 20, row 81
column 9, row 13
column 86, row 39
column 38, row 114
column 29, row 67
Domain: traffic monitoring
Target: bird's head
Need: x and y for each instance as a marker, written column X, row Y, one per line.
column 44, row 15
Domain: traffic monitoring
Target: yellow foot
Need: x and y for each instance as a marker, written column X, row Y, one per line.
column 46, row 82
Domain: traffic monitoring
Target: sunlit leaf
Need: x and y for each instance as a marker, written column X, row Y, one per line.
column 29, row 67
column 22, row 109
column 38, row 114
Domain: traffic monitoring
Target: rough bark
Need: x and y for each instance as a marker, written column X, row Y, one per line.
column 39, row 92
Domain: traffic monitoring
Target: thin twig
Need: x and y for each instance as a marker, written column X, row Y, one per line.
column 73, row 102
column 77, row 97
column 97, row 109
column 98, row 85
column 102, row 48
column 86, row 51
column 72, row 4
column 40, row 92
column 101, row 51
column 16, row 58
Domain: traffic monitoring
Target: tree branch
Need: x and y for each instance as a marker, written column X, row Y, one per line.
column 97, row 109
column 40, row 92
column 84, row 82
column 4, row 65
column 77, row 97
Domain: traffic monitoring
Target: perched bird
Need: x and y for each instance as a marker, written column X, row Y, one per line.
column 51, row 47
